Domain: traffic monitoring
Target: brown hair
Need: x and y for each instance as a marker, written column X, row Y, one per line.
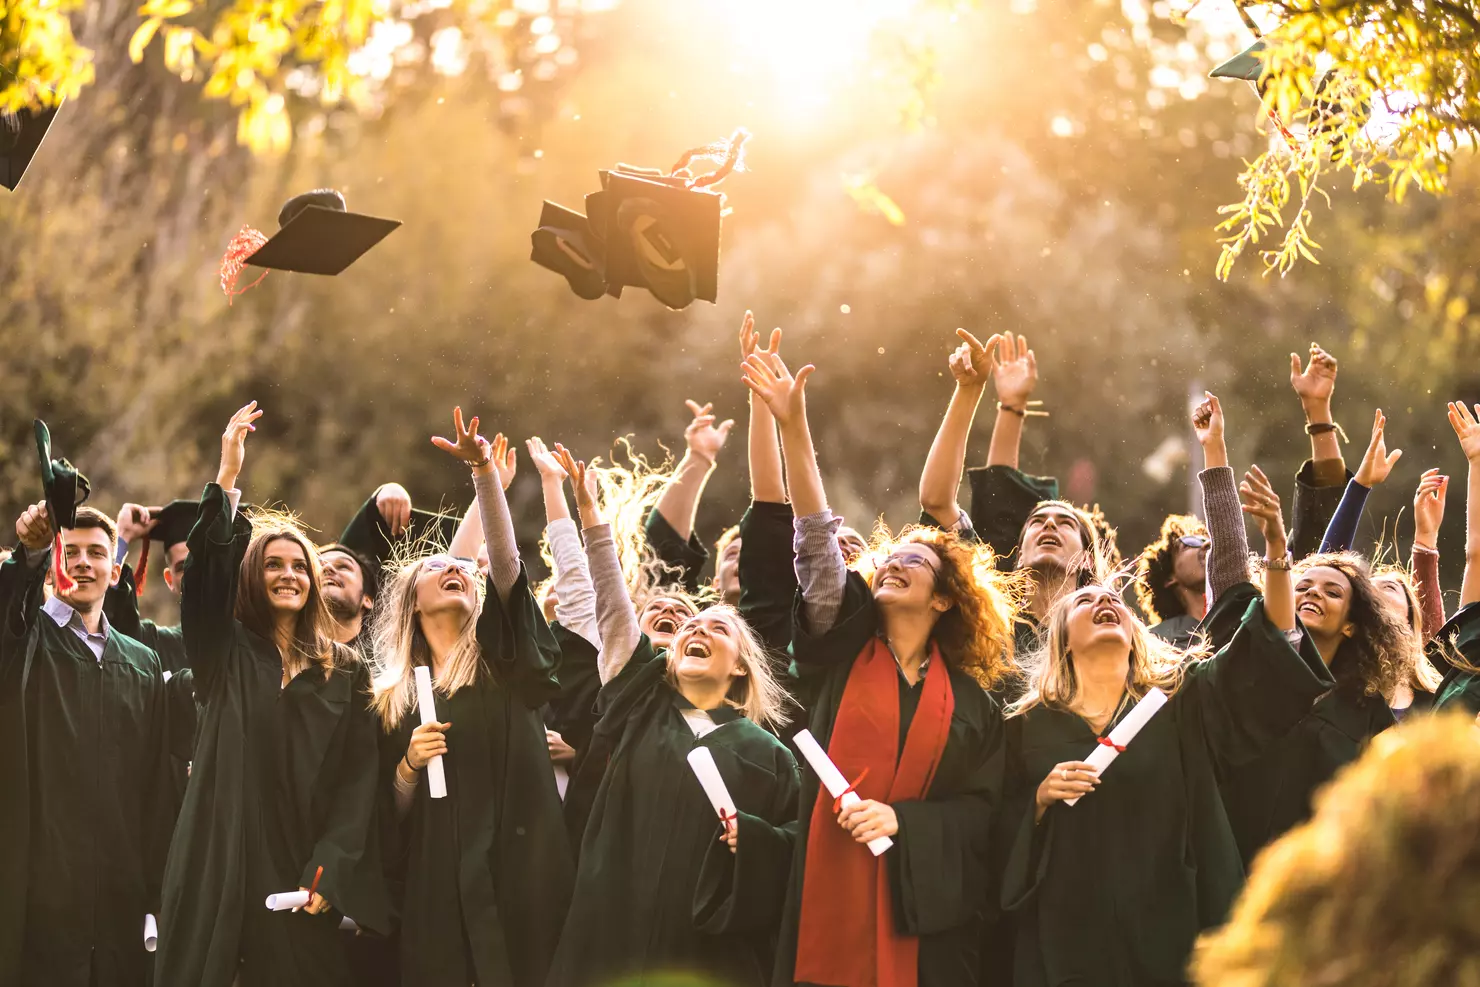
column 975, row 635
column 1377, row 655
column 723, row 542
column 1101, row 553
column 1379, row 888
column 313, row 632
column 1155, row 567
column 1422, row 676
column 91, row 517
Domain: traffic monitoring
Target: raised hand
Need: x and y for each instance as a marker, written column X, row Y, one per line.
column 972, row 360
column 1377, row 464
column 1259, row 501
column 1317, row 381
column 33, row 527
column 1466, row 429
column 1207, row 420
column 768, row 378
column 1428, row 508
column 393, row 501
column 135, row 521
column 470, row 447
column 583, row 479
column 704, row 438
column 750, row 339
column 504, row 460
column 545, row 461
column 1014, row 371
column 234, row 444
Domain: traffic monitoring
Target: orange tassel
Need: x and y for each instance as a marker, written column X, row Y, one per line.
column 242, row 246
column 65, row 583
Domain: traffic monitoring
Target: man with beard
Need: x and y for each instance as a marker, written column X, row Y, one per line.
column 351, row 582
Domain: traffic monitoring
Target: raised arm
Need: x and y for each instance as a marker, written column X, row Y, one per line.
column 498, row 527
column 940, row 480
column 24, row 573
column 767, row 479
column 679, row 503
column 1467, row 429
column 1015, row 375
column 1228, row 553
column 1377, row 464
column 1318, row 486
column 1428, row 515
column 1261, row 502
column 575, row 597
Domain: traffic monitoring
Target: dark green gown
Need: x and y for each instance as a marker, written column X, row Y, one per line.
column 1112, row 891
column 684, row 557
column 87, row 800
column 656, row 892
column 572, row 713
column 284, row 781
column 768, row 577
column 1459, row 636
column 487, row 870
column 938, row 868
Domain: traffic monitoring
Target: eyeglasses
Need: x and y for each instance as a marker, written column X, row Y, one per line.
column 439, row 562
column 1194, row 541
column 908, row 561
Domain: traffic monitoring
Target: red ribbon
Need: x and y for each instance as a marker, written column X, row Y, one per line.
column 315, row 885
column 143, row 574
column 1119, row 749
column 838, row 802
column 65, row 583
column 729, row 819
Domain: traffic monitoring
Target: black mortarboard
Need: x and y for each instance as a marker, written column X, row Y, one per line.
column 21, row 134
column 566, row 244
column 368, row 534
column 1246, row 65
column 172, row 526
column 65, row 489
column 662, row 236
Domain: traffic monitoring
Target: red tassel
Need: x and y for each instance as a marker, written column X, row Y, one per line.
column 142, row 576
column 65, row 583
column 242, row 246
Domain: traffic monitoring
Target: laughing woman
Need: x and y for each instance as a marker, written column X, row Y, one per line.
column 662, row 886
column 894, row 672
column 486, row 870
column 1113, row 890
column 282, row 792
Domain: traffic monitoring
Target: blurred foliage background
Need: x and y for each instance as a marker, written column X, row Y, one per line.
column 1054, row 169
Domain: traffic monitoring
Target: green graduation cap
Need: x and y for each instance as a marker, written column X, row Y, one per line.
column 65, row 488
column 172, row 524
column 662, row 236
column 1246, row 65
column 21, row 134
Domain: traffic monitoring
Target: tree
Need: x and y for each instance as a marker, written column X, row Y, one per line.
column 1386, row 92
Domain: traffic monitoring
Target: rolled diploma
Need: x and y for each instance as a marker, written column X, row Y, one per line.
column 1104, row 755
column 151, row 933
column 284, row 900
column 347, row 924
column 436, row 780
column 714, row 786
column 832, row 779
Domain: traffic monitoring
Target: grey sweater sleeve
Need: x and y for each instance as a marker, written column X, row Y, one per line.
column 1228, row 555
column 616, row 619
column 821, row 572
column 498, row 533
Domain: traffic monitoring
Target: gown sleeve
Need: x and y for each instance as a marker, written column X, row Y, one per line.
column 857, row 623
column 21, row 594
column 685, row 558
column 1314, row 506
column 517, row 645
column 1001, row 500
column 217, row 544
column 938, row 865
column 768, row 579
column 121, row 607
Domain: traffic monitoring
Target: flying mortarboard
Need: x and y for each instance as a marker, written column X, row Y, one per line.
column 64, row 489
column 21, row 134
column 172, row 524
column 1246, row 65
column 316, row 235
column 644, row 229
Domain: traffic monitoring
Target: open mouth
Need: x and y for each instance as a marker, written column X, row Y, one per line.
column 893, row 581
column 1048, row 540
column 1107, row 615
column 665, row 625
column 1310, row 609
column 286, row 593
column 696, row 649
column 452, row 584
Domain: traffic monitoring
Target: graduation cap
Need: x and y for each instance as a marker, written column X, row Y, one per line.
column 172, row 524
column 644, row 229
column 64, row 489
column 316, row 235
column 369, row 535
column 21, row 134
column 1246, row 65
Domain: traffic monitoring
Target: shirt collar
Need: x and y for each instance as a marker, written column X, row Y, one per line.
column 62, row 614
column 721, row 715
column 924, row 664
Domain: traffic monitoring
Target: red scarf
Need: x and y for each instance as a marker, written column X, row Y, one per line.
column 847, row 936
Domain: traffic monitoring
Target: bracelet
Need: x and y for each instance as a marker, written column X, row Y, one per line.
column 1279, row 565
column 1024, row 412
column 1321, row 428
column 1424, row 549
column 408, row 765
column 480, row 465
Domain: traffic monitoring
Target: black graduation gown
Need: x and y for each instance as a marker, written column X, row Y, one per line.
column 87, row 800
column 656, row 892
column 768, row 576
column 284, row 781
column 487, row 870
column 1460, row 688
column 685, row 557
column 1001, row 500
column 1114, row 890
column 572, row 713
column 938, row 868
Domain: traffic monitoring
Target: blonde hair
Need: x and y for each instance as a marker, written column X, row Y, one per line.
column 400, row 647
column 975, row 636
column 1380, row 887
column 1053, row 682
column 762, row 699
column 1422, row 674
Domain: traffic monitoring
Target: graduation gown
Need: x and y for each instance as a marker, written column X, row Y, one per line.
column 938, row 867
column 487, row 870
column 684, row 557
column 1114, row 890
column 1460, row 688
column 572, row 713
column 284, row 781
column 656, row 892
column 87, row 797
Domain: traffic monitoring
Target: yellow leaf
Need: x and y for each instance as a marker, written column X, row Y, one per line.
column 870, row 198
column 142, row 36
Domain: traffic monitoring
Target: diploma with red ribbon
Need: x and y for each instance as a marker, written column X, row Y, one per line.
column 714, row 786
column 1107, row 749
column 832, row 779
